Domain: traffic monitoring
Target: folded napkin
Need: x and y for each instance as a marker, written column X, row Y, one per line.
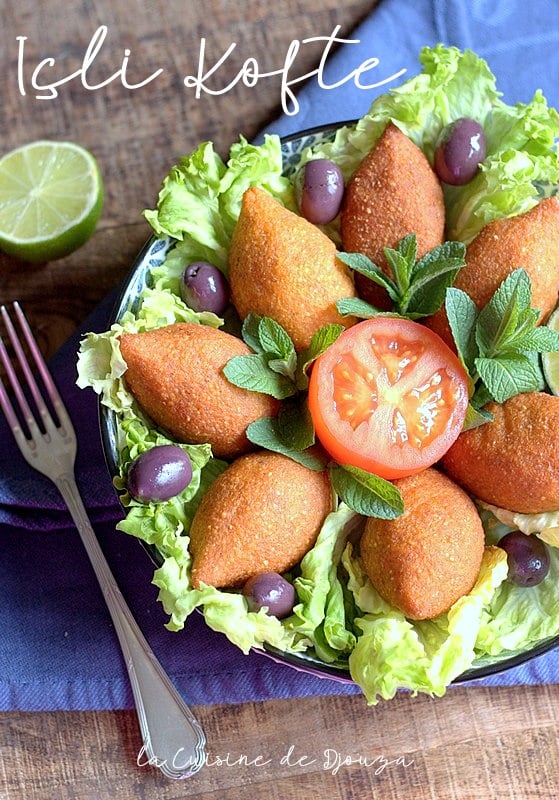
column 58, row 649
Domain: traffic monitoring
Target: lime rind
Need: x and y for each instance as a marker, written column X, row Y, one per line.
column 51, row 197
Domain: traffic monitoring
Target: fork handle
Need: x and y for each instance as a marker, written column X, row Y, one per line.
column 173, row 739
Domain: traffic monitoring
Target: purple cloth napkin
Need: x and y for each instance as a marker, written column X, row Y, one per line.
column 58, row 649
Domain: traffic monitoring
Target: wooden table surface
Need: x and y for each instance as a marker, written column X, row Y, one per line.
column 474, row 742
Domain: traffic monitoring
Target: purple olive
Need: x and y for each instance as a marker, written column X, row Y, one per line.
column 203, row 287
column 271, row 590
column 319, row 189
column 159, row 474
column 460, row 150
column 527, row 556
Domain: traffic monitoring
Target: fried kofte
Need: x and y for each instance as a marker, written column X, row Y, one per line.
column 262, row 514
column 176, row 374
column 513, row 461
column 528, row 241
column 284, row 267
column 424, row 560
column 394, row 192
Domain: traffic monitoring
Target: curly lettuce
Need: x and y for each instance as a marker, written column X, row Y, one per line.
column 521, row 165
column 200, row 200
column 339, row 617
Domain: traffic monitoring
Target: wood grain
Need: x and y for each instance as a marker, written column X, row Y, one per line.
column 475, row 742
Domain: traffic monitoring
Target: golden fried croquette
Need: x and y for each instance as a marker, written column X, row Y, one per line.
column 175, row 374
column 529, row 241
column 513, row 461
column 394, row 192
column 284, row 267
column 424, row 560
column 262, row 514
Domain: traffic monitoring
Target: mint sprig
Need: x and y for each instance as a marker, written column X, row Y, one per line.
column 271, row 368
column 275, row 368
column 417, row 288
column 500, row 345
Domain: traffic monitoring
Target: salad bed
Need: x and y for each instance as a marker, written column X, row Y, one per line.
column 339, row 619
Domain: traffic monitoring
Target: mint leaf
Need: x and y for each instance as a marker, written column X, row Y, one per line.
column 462, row 314
column 355, row 307
column 274, row 340
column 481, row 396
column 250, row 332
column 272, row 367
column 402, row 262
column 284, row 366
column 320, row 341
column 265, row 433
column 294, row 424
column 476, row 417
column 366, row 267
column 252, row 372
column 508, row 375
column 499, row 319
column 366, row 493
column 418, row 287
column 516, row 286
column 407, row 248
column 541, row 340
column 432, row 276
column 499, row 345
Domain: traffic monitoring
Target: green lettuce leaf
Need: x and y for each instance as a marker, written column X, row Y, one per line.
column 100, row 363
column 200, row 200
column 339, row 615
column 521, row 165
column 395, row 653
column 320, row 614
column 225, row 612
column 519, row 617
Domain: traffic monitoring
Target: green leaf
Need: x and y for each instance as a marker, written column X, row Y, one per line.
column 274, row 340
column 252, row 372
column 519, row 339
column 250, row 332
column 499, row 319
column 407, row 247
column 400, row 267
column 475, row 417
column 265, row 433
column 462, row 314
column 540, row 339
column 294, row 424
column 432, row 276
column 363, row 265
column 508, row 375
column 481, row 396
column 284, row 366
column 355, row 307
column 366, row 493
column 320, row 341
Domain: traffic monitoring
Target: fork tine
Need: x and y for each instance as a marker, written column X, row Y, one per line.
column 23, row 405
column 5, row 402
column 56, row 401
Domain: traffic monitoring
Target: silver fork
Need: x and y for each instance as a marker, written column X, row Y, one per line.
column 172, row 737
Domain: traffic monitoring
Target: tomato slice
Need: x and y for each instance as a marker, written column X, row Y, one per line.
column 388, row 396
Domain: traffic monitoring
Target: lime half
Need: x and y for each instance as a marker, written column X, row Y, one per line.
column 51, row 195
column 550, row 361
